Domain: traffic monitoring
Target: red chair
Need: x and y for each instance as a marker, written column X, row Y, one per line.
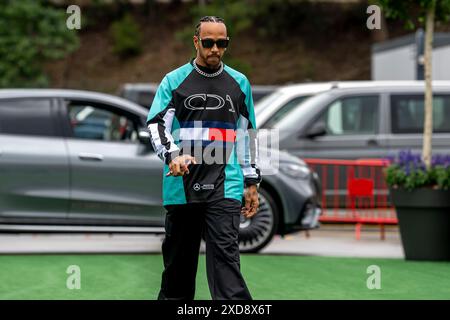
column 358, row 188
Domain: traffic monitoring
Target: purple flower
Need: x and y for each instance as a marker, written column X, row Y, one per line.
column 390, row 158
column 407, row 170
column 413, row 161
column 440, row 160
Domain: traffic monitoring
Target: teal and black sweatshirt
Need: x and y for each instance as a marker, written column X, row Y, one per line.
column 209, row 115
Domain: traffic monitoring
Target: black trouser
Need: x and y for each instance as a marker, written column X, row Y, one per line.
column 184, row 226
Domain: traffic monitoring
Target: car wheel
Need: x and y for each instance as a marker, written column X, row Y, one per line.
column 255, row 233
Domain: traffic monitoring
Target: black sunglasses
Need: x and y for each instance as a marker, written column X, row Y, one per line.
column 209, row 43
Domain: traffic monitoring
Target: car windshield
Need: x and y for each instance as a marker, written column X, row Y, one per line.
column 298, row 115
column 266, row 101
column 284, row 111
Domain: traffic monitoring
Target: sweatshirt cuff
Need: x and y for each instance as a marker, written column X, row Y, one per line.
column 169, row 156
column 251, row 182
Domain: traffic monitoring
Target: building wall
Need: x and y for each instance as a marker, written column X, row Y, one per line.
column 441, row 63
column 400, row 64
column 394, row 64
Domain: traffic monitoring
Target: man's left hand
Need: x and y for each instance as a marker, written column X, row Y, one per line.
column 251, row 202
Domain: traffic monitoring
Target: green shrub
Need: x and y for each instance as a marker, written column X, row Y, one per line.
column 126, row 37
column 31, row 33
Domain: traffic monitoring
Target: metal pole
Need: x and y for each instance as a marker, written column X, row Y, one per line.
column 420, row 48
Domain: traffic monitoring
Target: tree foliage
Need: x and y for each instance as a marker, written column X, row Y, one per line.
column 31, row 33
column 413, row 12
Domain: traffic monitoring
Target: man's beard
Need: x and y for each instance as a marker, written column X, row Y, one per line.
column 213, row 66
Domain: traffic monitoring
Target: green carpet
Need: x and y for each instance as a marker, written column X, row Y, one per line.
column 268, row 277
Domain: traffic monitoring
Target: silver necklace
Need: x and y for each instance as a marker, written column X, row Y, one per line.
column 208, row 75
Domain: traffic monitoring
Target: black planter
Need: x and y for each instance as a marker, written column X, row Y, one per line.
column 424, row 221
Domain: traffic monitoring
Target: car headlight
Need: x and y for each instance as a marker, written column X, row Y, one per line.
column 295, row 170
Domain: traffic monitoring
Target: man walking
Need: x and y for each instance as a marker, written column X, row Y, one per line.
column 201, row 124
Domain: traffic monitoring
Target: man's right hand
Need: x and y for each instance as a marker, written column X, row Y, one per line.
column 179, row 165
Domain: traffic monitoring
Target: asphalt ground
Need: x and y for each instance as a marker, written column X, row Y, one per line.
column 329, row 240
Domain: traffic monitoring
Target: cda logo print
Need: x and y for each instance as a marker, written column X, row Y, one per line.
column 219, row 102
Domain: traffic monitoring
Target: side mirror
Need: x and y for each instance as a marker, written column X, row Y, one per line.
column 144, row 137
column 318, row 129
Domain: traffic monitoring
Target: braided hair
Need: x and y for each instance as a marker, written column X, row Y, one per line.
column 207, row 19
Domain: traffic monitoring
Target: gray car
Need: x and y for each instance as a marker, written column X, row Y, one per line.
column 82, row 161
column 368, row 120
